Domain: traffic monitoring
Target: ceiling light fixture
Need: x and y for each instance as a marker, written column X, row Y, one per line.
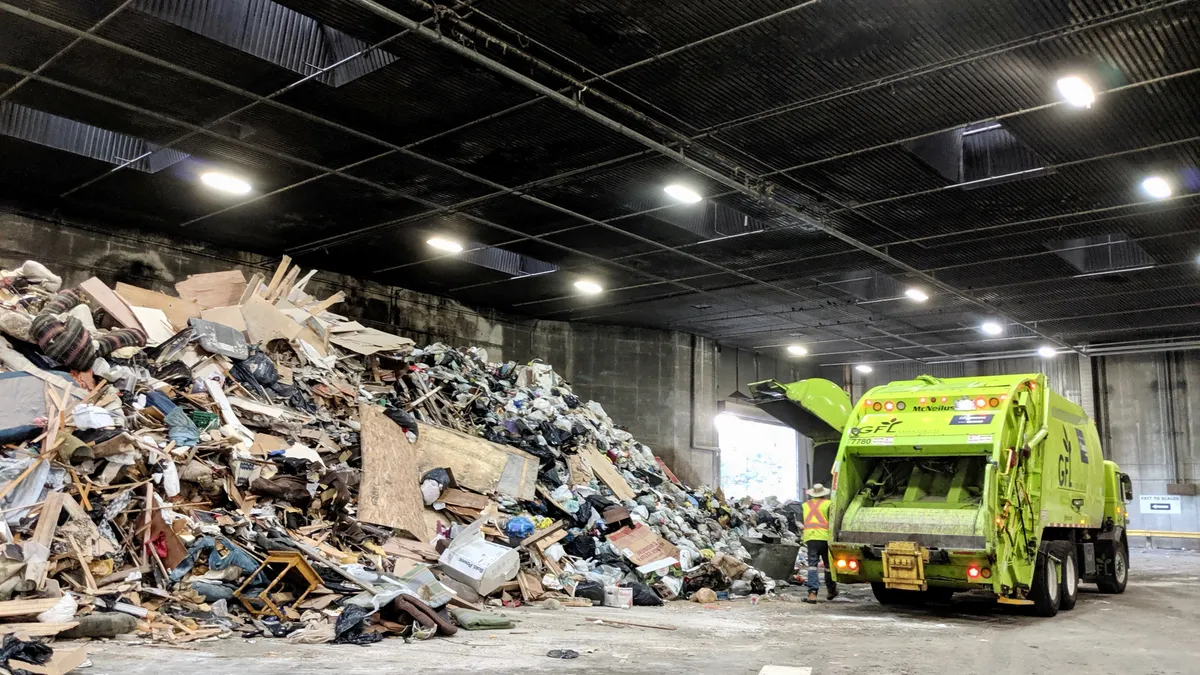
column 797, row 350
column 683, row 194
column 1047, row 352
column 1075, row 91
column 225, row 182
column 991, row 328
column 588, row 287
column 445, row 245
column 1157, row 187
column 864, row 368
column 917, row 295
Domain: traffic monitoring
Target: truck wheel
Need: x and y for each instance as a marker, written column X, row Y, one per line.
column 892, row 596
column 1046, row 591
column 1114, row 572
column 1070, row 576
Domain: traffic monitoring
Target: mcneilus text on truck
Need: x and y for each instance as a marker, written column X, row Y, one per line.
column 949, row 485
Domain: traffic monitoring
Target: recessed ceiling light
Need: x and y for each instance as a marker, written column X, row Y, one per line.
column 797, row 350
column 1047, row 352
column 1157, row 187
column 445, row 244
column 589, row 287
column 991, row 328
column 1076, row 91
column 225, row 183
column 917, row 294
column 864, row 368
column 683, row 194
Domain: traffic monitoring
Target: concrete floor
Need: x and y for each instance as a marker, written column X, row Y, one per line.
column 1150, row 630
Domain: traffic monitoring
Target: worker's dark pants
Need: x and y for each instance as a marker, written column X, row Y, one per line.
column 818, row 551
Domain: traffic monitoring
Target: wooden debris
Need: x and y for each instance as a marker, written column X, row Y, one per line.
column 618, row 622
column 215, row 289
column 178, row 310
column 607, row 473
column 110, row 302
column 13, row 608
column 390, row 493
column 477, row 463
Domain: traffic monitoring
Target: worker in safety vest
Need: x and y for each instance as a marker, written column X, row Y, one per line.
column 817, row 536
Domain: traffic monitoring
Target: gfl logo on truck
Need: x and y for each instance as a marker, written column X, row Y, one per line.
column 884, row 428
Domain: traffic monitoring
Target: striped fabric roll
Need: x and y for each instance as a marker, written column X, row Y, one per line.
column 68, row 342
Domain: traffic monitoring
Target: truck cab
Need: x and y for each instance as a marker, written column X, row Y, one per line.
column 990, row 483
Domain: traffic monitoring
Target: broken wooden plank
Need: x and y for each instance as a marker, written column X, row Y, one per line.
column 618, row 622
column 280, row 273
column 37, row 629
column 390, row 493
column 111, row 302
column 470, row 500
column 607, row 473
column 178, row 310
column 478, row 464
column 251, row 288
column 11, row 608
column 37, row 549
column 557, row 526
column 327, row 303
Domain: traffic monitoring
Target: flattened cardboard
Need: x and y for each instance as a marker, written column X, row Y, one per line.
column 641, row 546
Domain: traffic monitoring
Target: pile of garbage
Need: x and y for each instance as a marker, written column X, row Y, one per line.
column 239, row 459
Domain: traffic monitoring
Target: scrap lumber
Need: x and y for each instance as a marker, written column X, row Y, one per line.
column 178, row 310
column 37, row 549
column 607, row 473
column 11, row 608
column 557, row 526
column 37, row 629
column 227, row 316
column 111, row 302
column 390, row 493
column 215, row 289
column 280, row 273
column 618, row 622
column 327, row 303
column 265, row 323
column 251, row 288
column 477, row 463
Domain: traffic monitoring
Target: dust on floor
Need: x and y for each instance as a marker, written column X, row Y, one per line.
column 1148, row 630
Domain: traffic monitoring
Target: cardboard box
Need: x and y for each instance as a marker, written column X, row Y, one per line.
column 641, row 546
column 478, row 563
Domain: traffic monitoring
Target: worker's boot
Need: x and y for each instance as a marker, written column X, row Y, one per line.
column 812, row 598
column 831, row 592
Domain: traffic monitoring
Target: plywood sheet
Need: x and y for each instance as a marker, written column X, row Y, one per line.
column 154, row 321
column 477, row 463
column 265, row 323
column 226, row 316
column 390, row 494
column 111, row 302
column 215, row 289
column 178, row 310
column 607, row 473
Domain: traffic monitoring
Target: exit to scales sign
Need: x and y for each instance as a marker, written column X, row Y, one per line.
column 1165, row 505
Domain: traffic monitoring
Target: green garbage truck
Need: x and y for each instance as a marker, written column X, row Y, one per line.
column 993, row 483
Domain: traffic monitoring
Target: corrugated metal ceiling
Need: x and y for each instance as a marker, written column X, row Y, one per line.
column 810, row 102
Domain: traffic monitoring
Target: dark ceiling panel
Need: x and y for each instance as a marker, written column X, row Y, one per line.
column 831, row 90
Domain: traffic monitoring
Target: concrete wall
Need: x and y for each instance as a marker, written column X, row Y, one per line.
column 646, row 379
column 1148, row 418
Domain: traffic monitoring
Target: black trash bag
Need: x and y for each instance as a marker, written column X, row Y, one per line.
column 29, row 652
column 260, row 366
column 643, row 595
column 405, row 420
column 442, row 476
column 550, row 477
column 571, row 400
column 295, row 397
column 349, row 629
column 580, row 545
column 591, row 590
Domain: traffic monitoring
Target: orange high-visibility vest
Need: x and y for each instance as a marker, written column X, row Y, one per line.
column 816, row 520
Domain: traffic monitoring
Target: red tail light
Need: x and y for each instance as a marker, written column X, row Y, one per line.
column 980, row 402
column 889, row 406
column 853, row 565
column 973, row 572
